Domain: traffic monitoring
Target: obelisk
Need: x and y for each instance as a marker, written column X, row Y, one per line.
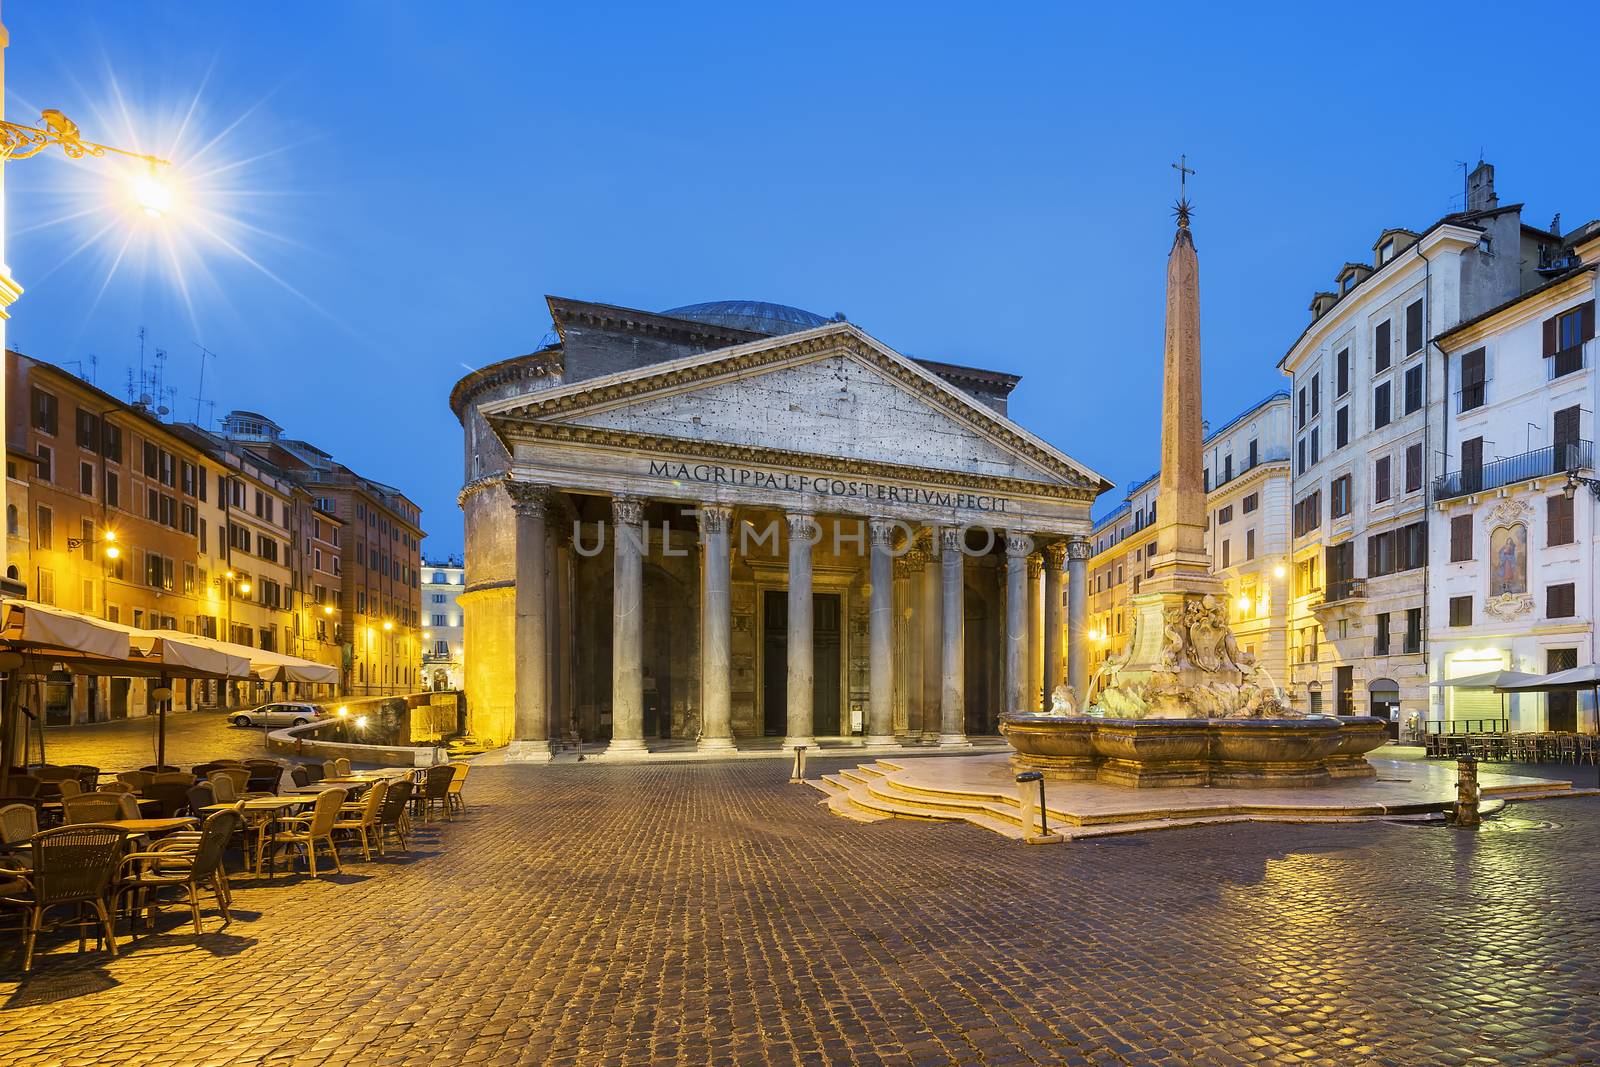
column 1181, row 559
column 1181, row 568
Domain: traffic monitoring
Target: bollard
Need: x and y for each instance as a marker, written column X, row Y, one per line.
column 1023, row 780
column 1466, row 813
column 799, row 764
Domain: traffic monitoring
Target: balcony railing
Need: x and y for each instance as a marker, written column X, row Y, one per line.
column 1341, row 590
column 1540, row 463
column 1568, row 361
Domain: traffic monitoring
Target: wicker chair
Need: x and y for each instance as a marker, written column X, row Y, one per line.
column 25, row 785
column 436, row 789
column 187, row 865
column 70, row 787
column 238, row 777
column 71, row 865
column 300, row 776
column 341, row 767
column 202, row 795
column 315, row 772
column 396, row 814
column 115, row 787
column 310, row 829
column 96, row 807
column 136, row 780
column 183, row 778
column 362, row 818
column 87, row 776
column 173, row 796
column 224, row 789
column 453, row 796
column 330, row 769
column 18, row 824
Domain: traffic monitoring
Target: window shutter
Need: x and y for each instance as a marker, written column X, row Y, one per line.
column 1586, row 321
column 1550, row 337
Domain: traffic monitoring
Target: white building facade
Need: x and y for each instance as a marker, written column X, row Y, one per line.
column 1513, row 541
column 443, row 634
column 1369, row 387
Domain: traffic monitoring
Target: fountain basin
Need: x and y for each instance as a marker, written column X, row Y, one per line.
column 1230, row 753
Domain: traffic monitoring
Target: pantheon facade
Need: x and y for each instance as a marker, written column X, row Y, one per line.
column 740, row 521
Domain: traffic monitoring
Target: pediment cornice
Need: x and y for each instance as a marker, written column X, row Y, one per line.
column 519, row 418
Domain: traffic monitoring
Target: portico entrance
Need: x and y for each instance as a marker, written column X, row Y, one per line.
column 827, row 654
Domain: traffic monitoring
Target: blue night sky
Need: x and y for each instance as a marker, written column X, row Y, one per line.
column 383, row 192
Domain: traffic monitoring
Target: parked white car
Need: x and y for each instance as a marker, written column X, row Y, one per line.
column 287, row 714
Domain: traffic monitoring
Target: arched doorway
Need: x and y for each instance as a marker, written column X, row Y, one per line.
column 1383, row 701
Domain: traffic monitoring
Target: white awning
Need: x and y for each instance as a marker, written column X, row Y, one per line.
column 264, row 665
column 1487, row 680
column 1576, row 678
column 46, row 627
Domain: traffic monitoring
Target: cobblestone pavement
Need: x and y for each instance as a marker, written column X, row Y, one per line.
column 712, row 914
column 192, row 737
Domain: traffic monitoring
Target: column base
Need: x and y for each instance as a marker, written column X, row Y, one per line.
column 930, row 737
column 792, row 743
column 520, row 751
column 885, row 739
column 715, row 744
column 954, row 741
column 626, row 746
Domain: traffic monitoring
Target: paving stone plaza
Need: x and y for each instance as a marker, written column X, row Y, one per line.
column 708, row 913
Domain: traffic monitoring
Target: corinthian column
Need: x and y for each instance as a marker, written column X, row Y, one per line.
column 1035, row 634
column 931, row 624
column 716, row 622
column 627, row 627
column 1078, row 552
column 1018, row 546
column 952, row 688
column 530, row 736
column 803, row 533
column 880, row 685
column 1055, row 556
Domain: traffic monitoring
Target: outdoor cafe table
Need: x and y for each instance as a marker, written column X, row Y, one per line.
column 268, row 810
column 147, row 827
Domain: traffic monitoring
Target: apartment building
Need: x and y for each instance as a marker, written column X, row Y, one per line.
column 442, row 639
column 1368, row 388
column 126, row 520
column 1247, row 499
column 378, row 616
column 1512, row 549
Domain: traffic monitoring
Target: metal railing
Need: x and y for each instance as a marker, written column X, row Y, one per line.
column 1540, row 463
column 1567, row 361
column 1344, row 589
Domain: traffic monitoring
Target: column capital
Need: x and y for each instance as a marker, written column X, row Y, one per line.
column 1055, row 554
column 801, row 523
column 1035, row 566
column 1018, row 545
column 952, row 539
column 715, row 518
column 905, row 566
column 627, row 510
column 528, row 498
column 881, row 531
column 1079, row 550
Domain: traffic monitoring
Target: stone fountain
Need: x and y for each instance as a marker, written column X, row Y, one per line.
column 1184, row 706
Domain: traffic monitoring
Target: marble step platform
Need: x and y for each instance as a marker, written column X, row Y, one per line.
column 981, row 791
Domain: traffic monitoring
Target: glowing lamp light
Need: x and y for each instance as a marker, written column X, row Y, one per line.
column 1278, row 571
column 427, row 635
column 112, row 552
column 229, row 575
column 387, row 625
column 151, row 194
column 361, row 722
column 244, row 587
column 1244, row 603
column 111, row 535
column 343, row 712
column 327, row 609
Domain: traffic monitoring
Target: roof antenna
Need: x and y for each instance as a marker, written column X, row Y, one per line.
column 200, row 395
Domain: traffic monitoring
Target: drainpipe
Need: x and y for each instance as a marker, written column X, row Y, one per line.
column 1427, row 457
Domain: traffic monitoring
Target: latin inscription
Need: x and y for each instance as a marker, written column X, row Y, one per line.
column 823, row 486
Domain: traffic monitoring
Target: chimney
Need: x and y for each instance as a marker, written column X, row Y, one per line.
column 1480, row 188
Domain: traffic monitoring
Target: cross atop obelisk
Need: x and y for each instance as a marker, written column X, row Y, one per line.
column 1183, row 208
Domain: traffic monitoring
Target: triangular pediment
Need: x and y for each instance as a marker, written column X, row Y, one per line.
column 830, row 392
